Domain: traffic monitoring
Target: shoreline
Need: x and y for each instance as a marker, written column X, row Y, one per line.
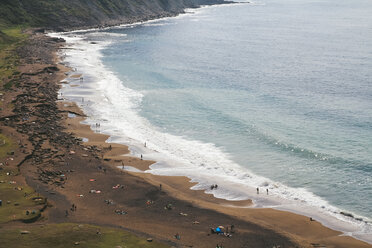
column 330, row 223
column 179, row 187
column 65, row 170
column 182, row 184
column 140, row 21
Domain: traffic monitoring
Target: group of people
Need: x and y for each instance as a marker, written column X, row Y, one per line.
column 73, row 209
column 214, row 186
column 258, row 191
column 223, row 231
column 120, row 212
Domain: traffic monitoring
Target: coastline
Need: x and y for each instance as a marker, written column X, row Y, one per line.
column 177, row 186
column 295, row 226
column 339, row 225
column 82, row 161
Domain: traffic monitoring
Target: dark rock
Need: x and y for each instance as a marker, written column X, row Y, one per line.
column 347, row 214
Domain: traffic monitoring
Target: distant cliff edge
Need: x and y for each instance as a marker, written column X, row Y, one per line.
column 69, row 14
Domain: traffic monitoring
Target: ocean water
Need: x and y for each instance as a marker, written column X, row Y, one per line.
column 270, row 94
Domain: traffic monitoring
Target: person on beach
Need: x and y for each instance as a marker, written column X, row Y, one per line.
column 258, row 190
column 160, row 187
column 141, row 157
column 267, row 191
column 177, row 236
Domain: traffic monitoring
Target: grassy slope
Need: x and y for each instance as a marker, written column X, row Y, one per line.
column 10, row 38
column 17, row 200
column 72, row 235
column 6, row 146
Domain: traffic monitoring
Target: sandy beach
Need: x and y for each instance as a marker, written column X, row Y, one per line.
column 299, row 229
column 53, row 160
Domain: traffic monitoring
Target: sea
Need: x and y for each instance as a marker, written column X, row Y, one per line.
column 275, row 95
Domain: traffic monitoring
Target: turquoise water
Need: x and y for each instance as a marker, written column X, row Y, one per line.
column 272, row 94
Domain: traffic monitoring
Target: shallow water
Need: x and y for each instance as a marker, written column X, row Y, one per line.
column 274, row 94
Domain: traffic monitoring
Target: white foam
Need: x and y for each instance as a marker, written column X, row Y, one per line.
column 154, row 24
column 116, row 108
column 110, row 34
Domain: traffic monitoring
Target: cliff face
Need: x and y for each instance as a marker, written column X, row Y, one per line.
column 62, row 14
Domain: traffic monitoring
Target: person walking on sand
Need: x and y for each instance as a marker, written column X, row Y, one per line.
column 267, row 191
column 258, row 190
column 141, row 157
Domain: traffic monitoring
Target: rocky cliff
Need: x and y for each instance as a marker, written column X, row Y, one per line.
column 67, row 14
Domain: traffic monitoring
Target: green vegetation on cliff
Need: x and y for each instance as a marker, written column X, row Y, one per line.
column 11, row 37
column 85, row 13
